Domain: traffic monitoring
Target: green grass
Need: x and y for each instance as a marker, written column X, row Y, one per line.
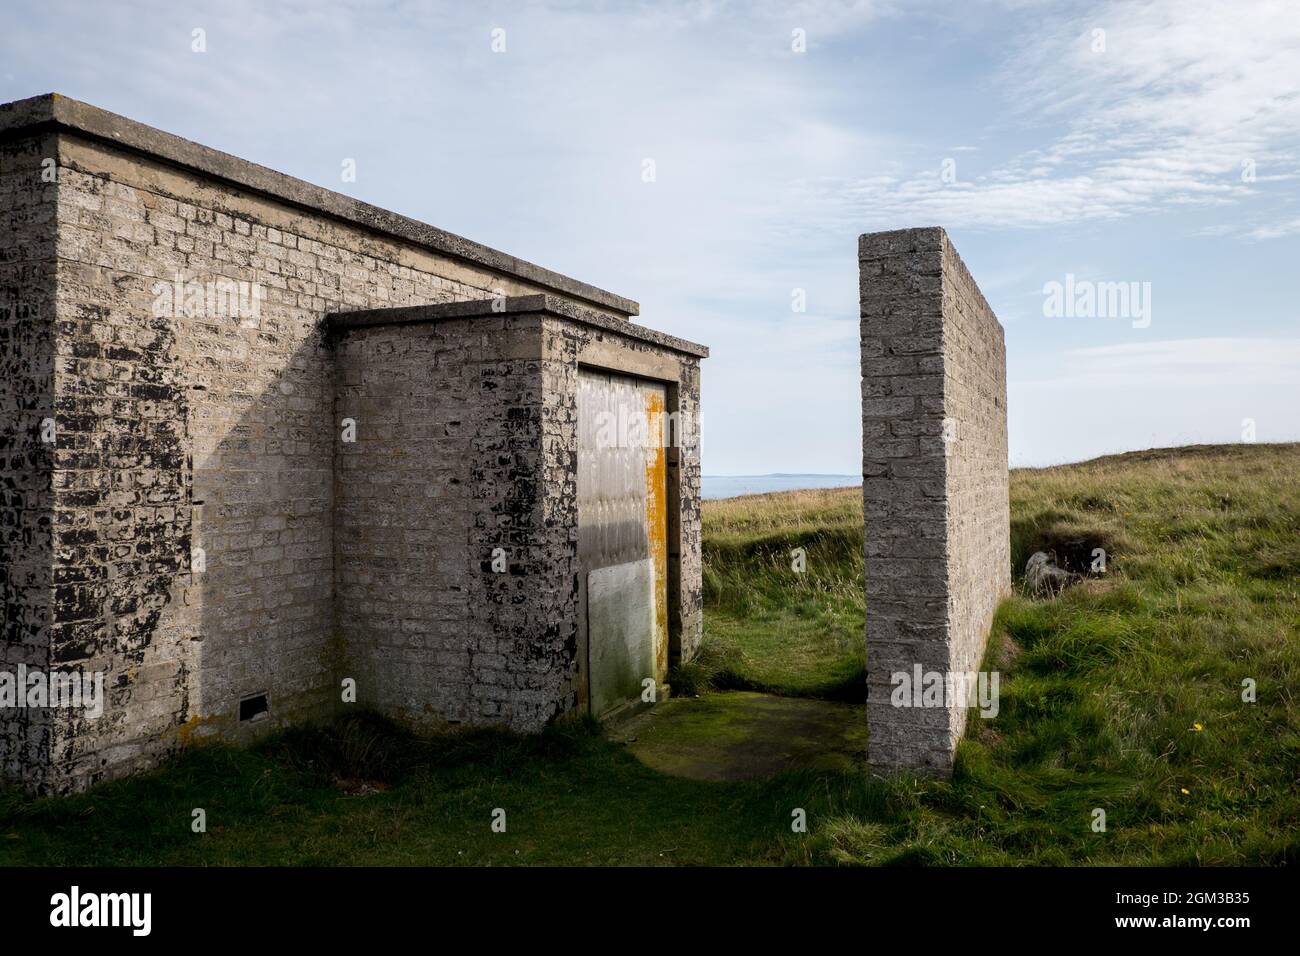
column 1103, row 691
column 1125, row 693
column 770, row 627
column 569, row 797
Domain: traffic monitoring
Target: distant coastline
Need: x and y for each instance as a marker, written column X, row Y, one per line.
column 730, row 486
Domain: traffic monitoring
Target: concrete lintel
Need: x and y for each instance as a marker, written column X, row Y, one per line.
column 342, row 322
column 55, row 112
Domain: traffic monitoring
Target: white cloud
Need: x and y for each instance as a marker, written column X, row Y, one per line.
column 1276, row 230
column 1177, row 363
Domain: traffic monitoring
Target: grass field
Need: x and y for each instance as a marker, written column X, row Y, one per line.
column 1124, row 693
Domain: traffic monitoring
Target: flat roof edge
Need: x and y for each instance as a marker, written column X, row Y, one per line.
column 53, row 111
column 342, row 322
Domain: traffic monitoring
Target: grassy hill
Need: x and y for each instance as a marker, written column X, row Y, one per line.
column 1124, row 693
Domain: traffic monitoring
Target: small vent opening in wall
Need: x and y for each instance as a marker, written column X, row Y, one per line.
column 250, row 708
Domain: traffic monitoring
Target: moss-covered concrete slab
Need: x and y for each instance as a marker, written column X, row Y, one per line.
column 739, row 735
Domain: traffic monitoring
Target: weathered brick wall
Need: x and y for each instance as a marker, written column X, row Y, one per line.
column 205, row 431
column 443, row 470
column 27, row 268
column 934, row 484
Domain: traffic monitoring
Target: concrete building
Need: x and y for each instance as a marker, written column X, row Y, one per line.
column 264, row 447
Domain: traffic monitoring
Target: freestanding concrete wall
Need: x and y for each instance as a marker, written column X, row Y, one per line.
column 934, row 477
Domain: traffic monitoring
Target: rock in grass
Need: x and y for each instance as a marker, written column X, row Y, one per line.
column 1042, row 576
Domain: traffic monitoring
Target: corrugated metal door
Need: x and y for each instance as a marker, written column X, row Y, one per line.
column 622, row 537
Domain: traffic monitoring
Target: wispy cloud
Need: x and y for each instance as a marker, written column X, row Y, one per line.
column 1153, row 105
column 1276, row 230
column 1178, row 363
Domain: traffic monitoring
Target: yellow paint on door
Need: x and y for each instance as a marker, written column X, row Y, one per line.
column 656, row 514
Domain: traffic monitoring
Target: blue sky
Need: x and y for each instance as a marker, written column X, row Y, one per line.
column 1163, row 150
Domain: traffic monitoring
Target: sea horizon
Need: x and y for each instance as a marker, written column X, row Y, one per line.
column 732, row 486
